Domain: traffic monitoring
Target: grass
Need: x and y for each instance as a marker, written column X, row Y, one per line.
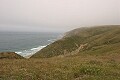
column 83, row 67
column 66, row 60
column 10, row 55
column 99, row 39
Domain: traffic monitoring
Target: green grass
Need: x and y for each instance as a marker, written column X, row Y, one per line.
column 100, row 40
column 58, row 47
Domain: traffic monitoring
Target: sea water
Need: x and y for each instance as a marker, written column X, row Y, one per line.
column 26, row 43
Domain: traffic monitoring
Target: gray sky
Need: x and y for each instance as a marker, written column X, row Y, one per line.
column 57, row 15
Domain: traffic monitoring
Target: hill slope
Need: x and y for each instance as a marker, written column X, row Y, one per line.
column 90, row 54
column 10, row 55
column 93, row 40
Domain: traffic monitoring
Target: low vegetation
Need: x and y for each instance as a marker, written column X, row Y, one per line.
column 93, row 40
column 80, row 67
column 83, row 54
column 10, row 55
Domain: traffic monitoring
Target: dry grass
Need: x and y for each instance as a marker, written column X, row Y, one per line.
column 83, row 67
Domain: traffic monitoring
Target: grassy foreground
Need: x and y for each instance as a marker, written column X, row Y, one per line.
column 77, row 67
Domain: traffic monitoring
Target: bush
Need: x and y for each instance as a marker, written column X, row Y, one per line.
column 87, row 70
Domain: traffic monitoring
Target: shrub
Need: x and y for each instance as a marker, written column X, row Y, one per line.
column 87, row 70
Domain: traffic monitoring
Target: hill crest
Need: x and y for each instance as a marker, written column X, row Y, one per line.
column 99, row 40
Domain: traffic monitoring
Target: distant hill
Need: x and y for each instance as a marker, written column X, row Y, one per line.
column 87, row 40
column 10, row 55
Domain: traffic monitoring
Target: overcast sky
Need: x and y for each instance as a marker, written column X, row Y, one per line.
column 57, row 15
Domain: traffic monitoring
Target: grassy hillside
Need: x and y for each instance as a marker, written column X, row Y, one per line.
column 93, row 40
column 83, row 54
column 10, row 55
column 81, row 67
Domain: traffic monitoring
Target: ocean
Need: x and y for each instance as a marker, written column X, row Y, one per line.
column 26, row 43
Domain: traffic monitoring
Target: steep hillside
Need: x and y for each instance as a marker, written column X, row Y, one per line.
column 10, row 55
column 89, row 40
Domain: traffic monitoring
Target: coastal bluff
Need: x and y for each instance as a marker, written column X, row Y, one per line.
column 10, row 55
column 87, row 40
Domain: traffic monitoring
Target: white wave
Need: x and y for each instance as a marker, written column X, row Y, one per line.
column 32, row 51
column 18, row 52
column 51, row 40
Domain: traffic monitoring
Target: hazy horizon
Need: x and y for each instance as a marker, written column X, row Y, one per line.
column 56, row 16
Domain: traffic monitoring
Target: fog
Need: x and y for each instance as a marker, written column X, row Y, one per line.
column 57, row 15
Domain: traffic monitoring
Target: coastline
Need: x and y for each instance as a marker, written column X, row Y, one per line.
column 30, row 52
column 35, row 42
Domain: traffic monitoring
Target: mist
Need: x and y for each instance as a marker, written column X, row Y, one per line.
column 57, row 15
